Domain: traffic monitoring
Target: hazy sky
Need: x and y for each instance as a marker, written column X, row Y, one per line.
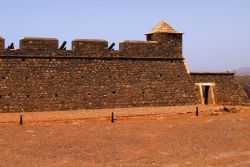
column 217, row 32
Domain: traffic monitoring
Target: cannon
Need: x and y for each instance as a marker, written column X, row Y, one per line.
column 111, row 47
column 11, row 46
column 63, row 46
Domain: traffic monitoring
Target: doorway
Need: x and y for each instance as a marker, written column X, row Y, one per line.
column 205, row 92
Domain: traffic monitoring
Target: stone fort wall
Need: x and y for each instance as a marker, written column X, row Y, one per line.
column 40, row 77
column 227, row 89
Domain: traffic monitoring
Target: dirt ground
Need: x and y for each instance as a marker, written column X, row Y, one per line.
column 141, row 139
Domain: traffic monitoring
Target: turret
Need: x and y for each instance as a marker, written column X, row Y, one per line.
column 168, row 37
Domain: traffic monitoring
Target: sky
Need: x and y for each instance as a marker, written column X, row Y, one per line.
column 217, row 32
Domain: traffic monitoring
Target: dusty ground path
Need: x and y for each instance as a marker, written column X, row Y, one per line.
column 105, row 114
column 161, row 140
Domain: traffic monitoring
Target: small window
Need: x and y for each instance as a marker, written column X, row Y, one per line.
column 89, row 94
column 27, row 95
column 0, row 96
column 55, row 95
column 26, row 78
column 3, row 77
column 113, row 92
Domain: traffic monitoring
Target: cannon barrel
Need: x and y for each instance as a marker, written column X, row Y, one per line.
column 63, row 46
column 111, row 47
column 11, row 46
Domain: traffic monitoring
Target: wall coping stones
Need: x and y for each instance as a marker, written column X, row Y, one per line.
column 90, row 40
column 39, row 38
column 37, row 43
column 91, row 57
column 138, row 41
column 212, row 73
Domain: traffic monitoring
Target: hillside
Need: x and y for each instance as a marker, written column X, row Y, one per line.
column 243, row 71
column 245, row 83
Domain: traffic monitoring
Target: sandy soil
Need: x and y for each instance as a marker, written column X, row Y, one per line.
column 162, row 139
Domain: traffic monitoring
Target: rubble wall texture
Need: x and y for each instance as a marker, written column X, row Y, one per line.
column 36, row 78
column 227, row 90
column 40, row 77
column 170, row 42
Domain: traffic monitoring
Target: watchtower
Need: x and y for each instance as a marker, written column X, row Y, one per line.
column 168, row 37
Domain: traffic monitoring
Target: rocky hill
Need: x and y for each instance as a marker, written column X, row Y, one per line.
column 245, row 83
column 244, row 71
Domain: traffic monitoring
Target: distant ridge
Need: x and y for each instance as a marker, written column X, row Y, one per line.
column 243, row 71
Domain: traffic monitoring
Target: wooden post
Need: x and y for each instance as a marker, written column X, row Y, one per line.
column 112, row 118
column 197, row 110
column 21, row 119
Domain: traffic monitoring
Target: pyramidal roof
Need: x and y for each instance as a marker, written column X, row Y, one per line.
column 163, row 27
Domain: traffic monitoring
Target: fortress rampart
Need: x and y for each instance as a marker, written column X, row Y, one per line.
column 41, row 77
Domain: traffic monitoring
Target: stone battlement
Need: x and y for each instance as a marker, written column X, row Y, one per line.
column 41, row 76
column 94, row 47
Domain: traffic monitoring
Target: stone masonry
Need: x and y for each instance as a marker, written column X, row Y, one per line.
column 40, row 77
column 227, row 90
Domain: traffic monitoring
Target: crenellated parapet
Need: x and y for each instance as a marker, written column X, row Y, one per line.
column 138, row 46
column 34, row 46
column 38, row 44
column 162, row 42
column 86, row 45
column 52, row 44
